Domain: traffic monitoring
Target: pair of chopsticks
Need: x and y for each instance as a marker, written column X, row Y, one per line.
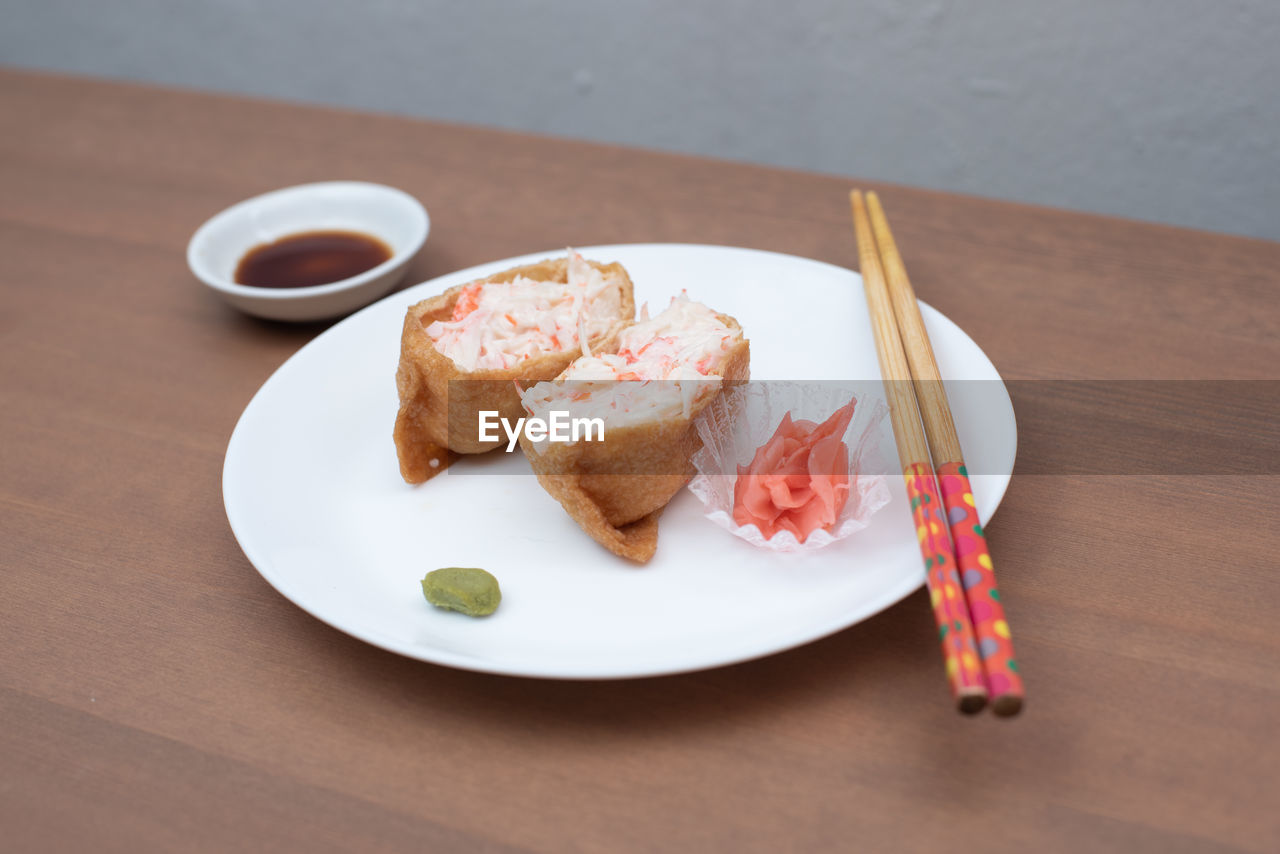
column 962, row 586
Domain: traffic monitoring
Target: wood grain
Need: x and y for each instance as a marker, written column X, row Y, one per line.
column 908, row 432
column 157, row 694
column 935, row 411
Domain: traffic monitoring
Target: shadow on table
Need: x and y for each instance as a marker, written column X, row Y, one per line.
column 889, row 661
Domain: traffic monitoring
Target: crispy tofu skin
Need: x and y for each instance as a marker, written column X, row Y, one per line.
column 616, row 489
column 437, row 421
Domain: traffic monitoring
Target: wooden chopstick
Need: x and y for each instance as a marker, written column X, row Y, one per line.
column 968, row 685
column 935, row 409
column 973, row 558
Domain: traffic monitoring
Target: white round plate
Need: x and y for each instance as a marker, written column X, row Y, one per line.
column 314, row 495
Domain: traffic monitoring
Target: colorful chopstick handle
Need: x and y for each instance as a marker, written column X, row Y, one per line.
column 978, row 580
column 964, row 671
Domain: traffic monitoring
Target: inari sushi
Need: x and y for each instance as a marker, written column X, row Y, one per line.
column 463, row 351
column 646, row 395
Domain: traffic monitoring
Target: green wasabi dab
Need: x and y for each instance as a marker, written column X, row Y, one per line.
column 471, row 591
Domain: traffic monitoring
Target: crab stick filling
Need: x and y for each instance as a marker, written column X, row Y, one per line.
column 498, row 325
column 663, row 366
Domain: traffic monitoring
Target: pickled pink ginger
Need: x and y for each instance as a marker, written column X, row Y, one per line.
column 798, row 481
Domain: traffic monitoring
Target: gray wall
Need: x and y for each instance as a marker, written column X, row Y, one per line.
column 1166, row 110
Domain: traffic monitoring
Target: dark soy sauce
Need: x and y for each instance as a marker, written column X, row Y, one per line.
column 310, row 258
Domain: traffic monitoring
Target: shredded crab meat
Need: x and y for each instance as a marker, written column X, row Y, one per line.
column 663, row 367
column 497, row 325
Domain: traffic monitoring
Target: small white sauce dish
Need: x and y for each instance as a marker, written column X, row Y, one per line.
column 391, row 215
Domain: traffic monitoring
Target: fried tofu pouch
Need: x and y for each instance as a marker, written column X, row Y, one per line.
column 431, row 426
column 616, row 489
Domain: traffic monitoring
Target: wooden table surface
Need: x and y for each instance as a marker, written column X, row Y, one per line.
column 157, row 694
